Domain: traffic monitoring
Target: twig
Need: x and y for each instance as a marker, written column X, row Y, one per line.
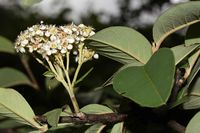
column 108, row 118
column 176, row 126
column 179, row 81
column 24, row 61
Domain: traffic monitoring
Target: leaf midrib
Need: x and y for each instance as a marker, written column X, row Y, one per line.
column 16, row 113
column 162, row 38
column 153, row 85
column 134, row 57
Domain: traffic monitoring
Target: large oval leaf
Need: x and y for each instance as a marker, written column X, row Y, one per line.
column 193, row 35
column 194, row 124
column 11, row 77
column 14, row 106
column 175, row 18
column 6, row 46
column 122, row 44
column 149, row 85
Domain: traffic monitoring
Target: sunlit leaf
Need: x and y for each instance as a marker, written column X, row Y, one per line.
column 194, row 124
column 97, row 128
column 53, row 117
column 96, row 109
column 14, row 106
column 28, row 3
column 6, row 46
column 49, row 74
column 149, row 85
column 193, row 35
column 181, row 51
column 194, row 97
column 117, row 128
column 11, row 77
column 176, row 18
column 122, row 44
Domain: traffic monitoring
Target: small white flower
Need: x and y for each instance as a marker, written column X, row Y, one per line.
column 22, row 49
column 70, row 39
column 92, row 33
column 47, row 34
column 85, row 34
column 82, row 39
column 53, row 51
column 30, row 49
column 64, row 50
column 46, row 47
column 74, row 29
column 59, row 46
column 70, row 47
column 76, row 59
column 96, row 56
column 75, row 52
column 53, row 45
column 42, row 27
column 24, row 42
column 53, row 38
column 48, row 52
column 78, row 39
column 68, row 31
column 38, row 32
column 31, row 29
column 33, row 33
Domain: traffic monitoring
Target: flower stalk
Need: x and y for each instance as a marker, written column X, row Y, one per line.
column 52, row 47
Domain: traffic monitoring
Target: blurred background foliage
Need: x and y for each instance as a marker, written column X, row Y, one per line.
column 138, row 14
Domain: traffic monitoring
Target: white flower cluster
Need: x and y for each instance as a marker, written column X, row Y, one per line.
column 50, row 40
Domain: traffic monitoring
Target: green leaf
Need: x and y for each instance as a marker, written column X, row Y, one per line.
column 53, row 117
column 191, row 77
column 149, row 85
column 176, row 18
column 6, row 46
column 194, row 96
column 122, row 44
column 49, row 74
column 97, row 128
column 193, row 35
column 51, row 83
column 192, row 59
column 11, row 77
column 96, row 109
column 181, row 51
column 66, row 112
column 28, row 3
column 117, row 128
column 9, row 123
column 84, row 76
column 14, row 106
column 194, row 124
